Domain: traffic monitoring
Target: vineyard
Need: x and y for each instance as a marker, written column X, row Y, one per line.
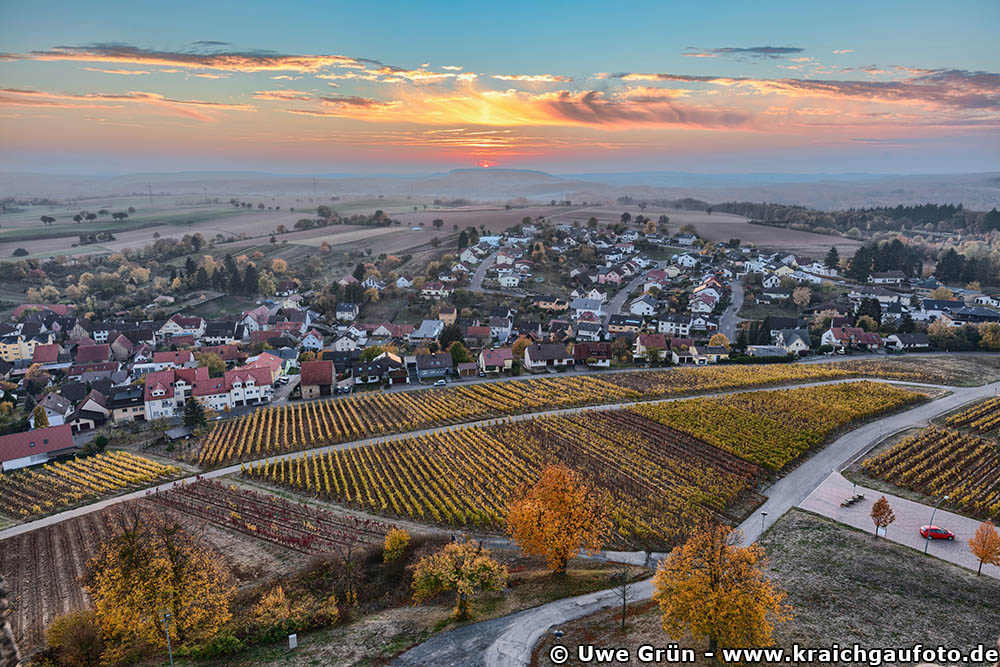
column 54, row 486
column 293, row 525
column 773, row 428
column 304, row 425
column 938, row 461
column 981, row 418
column 662, row 475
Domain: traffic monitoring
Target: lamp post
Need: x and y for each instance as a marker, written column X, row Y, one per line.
column 763, row 516
column 166, row 628
column 933, row 512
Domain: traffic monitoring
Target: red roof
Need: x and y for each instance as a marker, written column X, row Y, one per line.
column 260, row 375
column 159, row 380
column 210, row 386
column 187, row 322
column 229, row 352
column 59, row 309
column 497, row 357
column 176, row 357
column 585, row 350
column 86, row 354
column 39, row 441
column 676, row 343
column 80, row 369
column 653, row 340
column 477, row 332
column 316, row 373
column 46, row 354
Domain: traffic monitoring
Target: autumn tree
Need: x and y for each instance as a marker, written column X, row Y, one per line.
column 712, row 588
column 985, row 545
column 8, row 648
column 942, row 294
column 41, row 418
column 560, row 515
column 464, row 567
column 882, row 514
column 801, row 296
column 213, row 362
column 718, row 340
column 149, row 566
column 517, row 349
column 396, row 541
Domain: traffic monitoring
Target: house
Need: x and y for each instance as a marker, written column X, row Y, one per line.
column 175, row 359
column 390, row 331
column 506, row 258
column 896, row 278
column 931, row 309
column 404, row 282
column 347, row 281
column 500, row 328
column 316, row 379
column 908, row 341
column 434, row 365
column 595, row 294
column 435, row 290
column 126, row 405
column 248, row 385
column 552, row 303
column 546, row 355
column 346, row 312
column 56, row 407
column 619, row 324
column 312, row 340
column 772, row 294
column 684, row 239
column 93, row 354
column 509, row 281
column 90, row 413
column 427, row 331
column 477, row 336
column 592, row 354
column 704, row 355
column 644, row 305
column 881, row 294
column 588, row 331
column 20, row 450
column 447, row 314
column 770, row 281
column 841, row 338
column 674, row 324
column 649, row 347
column 346, row 343
column 794, row 341
column 706, row 323
column 702, row 304
column 775, row 323
column 496, row 360
column 686, row 260
column 971, row 315
column 182, row 325
column 581, row 306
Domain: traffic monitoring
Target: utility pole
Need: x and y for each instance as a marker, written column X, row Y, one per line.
column 166, row 628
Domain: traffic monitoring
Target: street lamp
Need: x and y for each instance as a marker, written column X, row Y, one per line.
column 763, row 515
column 928, row 540
column 166, row 628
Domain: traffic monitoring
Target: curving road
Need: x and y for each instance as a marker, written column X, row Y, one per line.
column 729, row 319
column 508, row 641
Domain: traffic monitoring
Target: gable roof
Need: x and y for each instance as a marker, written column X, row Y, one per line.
column 32, row 443
column 316, row 373
column 86, row 354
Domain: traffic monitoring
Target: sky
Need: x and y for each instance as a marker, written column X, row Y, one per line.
column 571, row 87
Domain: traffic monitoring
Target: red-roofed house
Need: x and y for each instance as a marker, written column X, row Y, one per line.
column 46, row 354
column 231, row 353
column 843, row 337
column 313, row 340
column 59, row 309
column 173, row 359
column 593, row 354
column 249, row 386
column 93, row 354
column 316, row 378
column 182, row 325
column 19, row 450
column 645, row 344
column 266, row 360
column 494, row 361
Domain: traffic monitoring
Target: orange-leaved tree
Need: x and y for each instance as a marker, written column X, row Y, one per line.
column 464, row 567
column 558, row 516
column 985, row 545
column 711, row 588
column 882, row 514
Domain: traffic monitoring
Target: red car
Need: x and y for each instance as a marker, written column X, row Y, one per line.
column 936, row 533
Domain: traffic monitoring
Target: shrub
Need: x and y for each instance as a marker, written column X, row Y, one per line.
column 76, row 638
column 20, row 252
column 396, row 541
column 224, row 643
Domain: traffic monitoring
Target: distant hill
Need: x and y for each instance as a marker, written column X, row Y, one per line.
column 979, row 191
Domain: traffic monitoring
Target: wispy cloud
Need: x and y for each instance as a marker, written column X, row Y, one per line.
column 231, row 61
column 751, row 52
column 282, row 95
column 841, row 52
column 533, row 78
column 124, row 72
column 187, row 108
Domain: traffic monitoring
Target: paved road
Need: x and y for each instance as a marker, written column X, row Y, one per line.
column 508, row 641
column 617, row 302
column 910, row 516
column 229, row 470
column 476, row 284
column 729, row 319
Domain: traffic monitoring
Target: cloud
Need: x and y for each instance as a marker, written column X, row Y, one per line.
column 283, row 95
column 533, row 78
column 125, row 72
column 841, row 52
column 452, row 68
column 187, row 108
column 231, row 61
column 355, row 102
column 744, row 53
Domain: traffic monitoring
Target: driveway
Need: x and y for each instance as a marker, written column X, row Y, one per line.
column 508, row 641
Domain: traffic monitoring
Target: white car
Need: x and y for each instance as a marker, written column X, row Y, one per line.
column 440, row 383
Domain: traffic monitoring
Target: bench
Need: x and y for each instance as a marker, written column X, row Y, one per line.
column 853, row 499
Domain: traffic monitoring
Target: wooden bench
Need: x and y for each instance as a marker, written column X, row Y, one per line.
column 853, row 499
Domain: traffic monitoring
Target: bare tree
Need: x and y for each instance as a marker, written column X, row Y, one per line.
column 623, row 589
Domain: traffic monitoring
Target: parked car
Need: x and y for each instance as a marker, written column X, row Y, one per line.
column 440, row 383
column 936, row 533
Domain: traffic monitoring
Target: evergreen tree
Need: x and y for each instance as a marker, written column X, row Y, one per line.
column 463, row 240
column 871, row 308
column 832, row 260
column 194, row 413
column 949, row 267
column 359, row 271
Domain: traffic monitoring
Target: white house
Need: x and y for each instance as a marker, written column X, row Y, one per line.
column 510, row 280
column 644, row 305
